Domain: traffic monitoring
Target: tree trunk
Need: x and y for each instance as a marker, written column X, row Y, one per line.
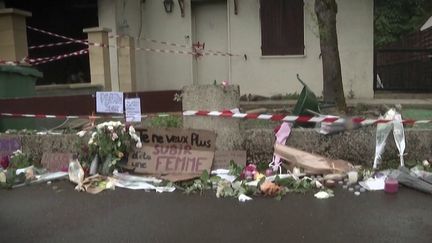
column 332, row 86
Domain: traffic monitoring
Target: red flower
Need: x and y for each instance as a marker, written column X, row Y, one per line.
column 4, row 162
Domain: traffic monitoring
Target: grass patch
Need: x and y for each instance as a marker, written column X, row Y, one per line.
column 418, row 114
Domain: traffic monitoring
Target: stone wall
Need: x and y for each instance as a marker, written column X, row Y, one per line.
column 357, row 146
column 36, row 145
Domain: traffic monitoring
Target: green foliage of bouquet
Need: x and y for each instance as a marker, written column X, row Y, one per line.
column 19, row 160
column 110, row 142
column 9, row 167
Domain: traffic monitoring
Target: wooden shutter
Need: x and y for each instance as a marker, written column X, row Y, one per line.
column 282, row 30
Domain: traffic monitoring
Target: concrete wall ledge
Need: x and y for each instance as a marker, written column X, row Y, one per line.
column 67, row 89
column 357, row 146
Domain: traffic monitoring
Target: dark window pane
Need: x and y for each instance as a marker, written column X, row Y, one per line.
column 282, row 31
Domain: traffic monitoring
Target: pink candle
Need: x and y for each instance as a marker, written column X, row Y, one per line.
column 391, row 185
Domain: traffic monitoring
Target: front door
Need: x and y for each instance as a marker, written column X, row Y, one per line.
column 209, row 26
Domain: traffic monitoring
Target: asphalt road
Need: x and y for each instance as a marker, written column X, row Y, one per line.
column 56, row 213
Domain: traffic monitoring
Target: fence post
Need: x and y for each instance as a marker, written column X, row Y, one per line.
column 13, row 34
column 99, row 57
column 126, row 63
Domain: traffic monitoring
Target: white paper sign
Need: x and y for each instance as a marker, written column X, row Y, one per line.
column 109, row 102
column 133, row 110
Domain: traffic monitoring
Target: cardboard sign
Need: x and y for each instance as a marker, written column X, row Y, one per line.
column 109, row 102
column 133, row 110
column 173, row 153
column 8, row 145
column 222, row 158
column 54, row 162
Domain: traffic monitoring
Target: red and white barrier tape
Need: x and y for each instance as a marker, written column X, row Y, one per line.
column 166, row 43
column 299, row 119
column 85, row 42
column 53, row 44
column 228, row 114
column 204, row 52
column 165, row 51
column 67, row 38
column 42, row 60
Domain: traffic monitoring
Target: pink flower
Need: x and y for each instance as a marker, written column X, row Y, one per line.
column 250, row 167
column 249, row 171
column 4, row 162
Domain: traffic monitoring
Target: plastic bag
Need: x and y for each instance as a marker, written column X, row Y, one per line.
column 281, row 136
column 399, row 136
column 383, row 130
column 76, row 174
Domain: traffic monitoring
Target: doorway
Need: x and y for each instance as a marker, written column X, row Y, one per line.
column 209, row 28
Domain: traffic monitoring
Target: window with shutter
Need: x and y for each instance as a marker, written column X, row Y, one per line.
column 282, row 27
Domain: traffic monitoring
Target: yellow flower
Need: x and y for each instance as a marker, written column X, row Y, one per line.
column 120, row 154
column 258, row 176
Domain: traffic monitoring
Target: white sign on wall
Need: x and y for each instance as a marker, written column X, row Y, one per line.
column 133, row 110
column 109, row 102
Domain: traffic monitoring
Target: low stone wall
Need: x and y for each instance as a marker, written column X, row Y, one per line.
column 36, row 145
column 356, row 146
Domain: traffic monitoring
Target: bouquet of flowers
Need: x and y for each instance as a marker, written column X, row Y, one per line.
column 15, row 169
column 109, row 143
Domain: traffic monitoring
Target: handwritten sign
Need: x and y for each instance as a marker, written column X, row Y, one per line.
column 222, row 158
column 133, row 110
column 8, row 145
column 173, row 153
column 54, row 162
column 109, row 102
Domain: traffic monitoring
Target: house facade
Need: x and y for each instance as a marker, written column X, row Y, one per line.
column 258, row 44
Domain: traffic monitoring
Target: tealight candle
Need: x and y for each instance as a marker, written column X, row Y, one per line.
column 352, row 177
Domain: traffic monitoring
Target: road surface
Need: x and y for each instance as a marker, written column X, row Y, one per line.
column 57, row 213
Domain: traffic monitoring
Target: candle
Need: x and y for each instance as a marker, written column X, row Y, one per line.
column 352, row 177
column 391, row 185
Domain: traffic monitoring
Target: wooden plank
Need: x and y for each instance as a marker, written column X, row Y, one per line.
column 313, row 164
column 151, row 102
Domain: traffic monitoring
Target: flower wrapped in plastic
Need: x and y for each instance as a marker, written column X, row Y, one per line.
column 109, row 143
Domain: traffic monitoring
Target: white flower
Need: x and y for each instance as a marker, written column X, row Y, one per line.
column 243, row 198
column 93, row 135
column 90, row 141
column 118, row 144
column 139, row 145
column 135, row 138
column 114, row 136
column 100, row 126
column 426, row 163
column 131, row 130
column 81, row 133
column 110, row 128
column 17, row 152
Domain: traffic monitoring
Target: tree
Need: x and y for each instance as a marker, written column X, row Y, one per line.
column 396, row 18
column 326, row 11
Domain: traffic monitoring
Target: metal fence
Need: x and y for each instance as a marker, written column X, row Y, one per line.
column 403, row 69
